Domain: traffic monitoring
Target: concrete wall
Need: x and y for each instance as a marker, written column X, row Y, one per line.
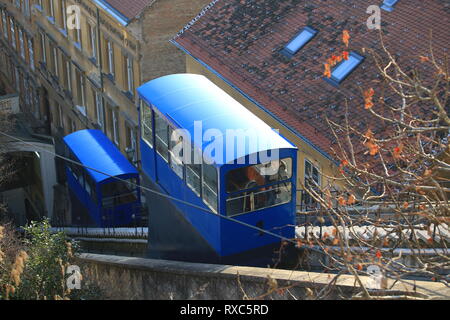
column 137, row 278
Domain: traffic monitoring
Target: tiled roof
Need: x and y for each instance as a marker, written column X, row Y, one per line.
column 241, row 40
column 129, row 8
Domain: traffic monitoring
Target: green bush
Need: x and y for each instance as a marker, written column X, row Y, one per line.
column 39, row 269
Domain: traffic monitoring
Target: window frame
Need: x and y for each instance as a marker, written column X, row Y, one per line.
column 389, row 5
column 12, row 27
column 260, row 189
column 333, row 80
column 173, row 158
column 319, row 182
column 42, row 37
column 158, row 139
column 31, row 53
column 145, row 107
column 21, row 42
column 99, row 109
column 110, row 55
column 307, row 29
column 115, row 125
column 216, row 191
column 267, row 184
column 93, row 42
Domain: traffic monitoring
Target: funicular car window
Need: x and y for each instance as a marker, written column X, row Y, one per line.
column 259, row 186
column 258, row 175
column 210, row 185
column 176, row 153
column 119, row 192
column 194, row 171
column 162, row 136
column 147, row 125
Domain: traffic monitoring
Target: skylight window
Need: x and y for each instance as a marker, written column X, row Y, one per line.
column 343, row 70
column 388, row 5
column 299, row 41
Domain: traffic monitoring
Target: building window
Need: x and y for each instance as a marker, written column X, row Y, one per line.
column 388, row 5
column 129, row 81
column 110, row 47
column 22, row 44
column 55, row 60
column 81, row 90
column 99, row 109
column 78, row 37
column 93, row 42
column 299, row 41
column 311, row 181
column 31, row 53
column 312, row 176
column 26, row 8
column 63, row 17
column 13, row 33
column 343, row 70
column 67, row 74
column 39, row 5
column 43, row 50
column 5, row 25
column 115, row 123
column 60, row 116
column 147, row 123
column 50, row 9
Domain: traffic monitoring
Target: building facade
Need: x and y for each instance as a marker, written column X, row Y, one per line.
column 18, row 61
column 92, row 55
column 76, row 64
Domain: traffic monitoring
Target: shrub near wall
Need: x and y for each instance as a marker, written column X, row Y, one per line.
column 34, row 268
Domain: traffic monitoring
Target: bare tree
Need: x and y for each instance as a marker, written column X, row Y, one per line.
column 392, row 213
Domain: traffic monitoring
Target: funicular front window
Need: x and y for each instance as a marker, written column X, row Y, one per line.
column 259, row 186
column 119, row 192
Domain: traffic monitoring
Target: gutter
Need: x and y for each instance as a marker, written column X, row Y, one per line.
column 113, row 12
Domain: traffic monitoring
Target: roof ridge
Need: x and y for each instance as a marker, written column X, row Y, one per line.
column 193, row 21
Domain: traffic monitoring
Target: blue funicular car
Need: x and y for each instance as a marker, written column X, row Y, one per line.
column 104, row 188
column 231, row 171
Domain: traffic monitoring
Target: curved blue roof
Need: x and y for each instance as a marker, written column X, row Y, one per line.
column 186, row 98
column 93, row 149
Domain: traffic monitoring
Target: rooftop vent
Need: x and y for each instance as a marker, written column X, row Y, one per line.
column 388, row 5
column 299, row 41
